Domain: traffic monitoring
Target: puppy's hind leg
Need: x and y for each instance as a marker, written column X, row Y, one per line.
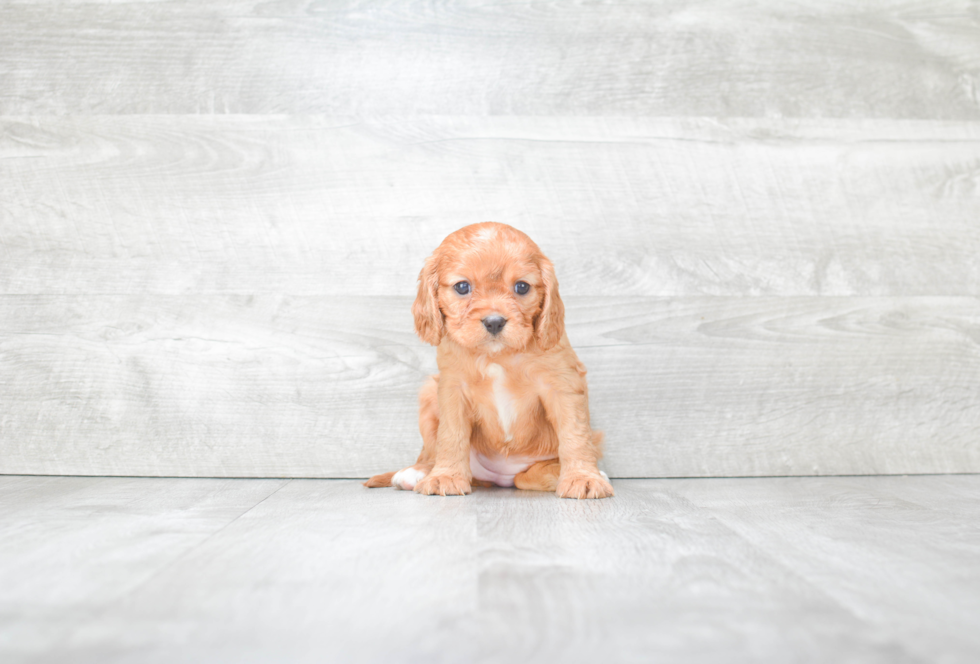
column 407, row 478
column 541, row 476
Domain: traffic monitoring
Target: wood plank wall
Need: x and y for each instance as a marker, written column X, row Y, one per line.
column 765, row 218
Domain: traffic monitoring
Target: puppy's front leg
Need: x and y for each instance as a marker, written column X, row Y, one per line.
column 451, row 474
column 577, row 450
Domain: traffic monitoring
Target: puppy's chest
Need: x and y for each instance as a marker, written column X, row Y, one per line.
column 503, row 402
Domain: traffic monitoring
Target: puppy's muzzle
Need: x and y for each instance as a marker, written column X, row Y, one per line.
column 494, row 324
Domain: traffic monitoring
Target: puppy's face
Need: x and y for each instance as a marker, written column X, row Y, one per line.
column 489, row 288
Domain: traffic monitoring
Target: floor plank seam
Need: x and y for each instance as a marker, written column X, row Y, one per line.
column 104, row 610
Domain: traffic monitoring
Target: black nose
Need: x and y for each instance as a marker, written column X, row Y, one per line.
column 494, row 324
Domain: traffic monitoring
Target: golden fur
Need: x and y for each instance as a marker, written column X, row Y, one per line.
column 529, row 361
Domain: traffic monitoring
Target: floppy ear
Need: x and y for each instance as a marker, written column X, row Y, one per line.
column 429, row 324
column 550, row 324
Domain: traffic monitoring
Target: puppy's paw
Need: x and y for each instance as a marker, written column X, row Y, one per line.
column 407, row 478
column 584, row 485
column 443, row 484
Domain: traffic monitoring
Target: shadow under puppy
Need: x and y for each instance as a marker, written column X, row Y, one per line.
column 510, row 404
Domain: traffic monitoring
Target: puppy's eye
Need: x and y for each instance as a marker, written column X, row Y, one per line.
column 522, row 287
column 462, row 287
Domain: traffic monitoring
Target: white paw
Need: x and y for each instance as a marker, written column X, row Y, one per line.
column 407, row 478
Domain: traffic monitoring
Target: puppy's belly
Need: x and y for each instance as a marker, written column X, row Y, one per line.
column 500, row 469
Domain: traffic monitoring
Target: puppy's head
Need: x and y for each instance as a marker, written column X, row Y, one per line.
column 488, row 287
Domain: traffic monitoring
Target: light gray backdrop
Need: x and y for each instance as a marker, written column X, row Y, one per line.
column 765, row 218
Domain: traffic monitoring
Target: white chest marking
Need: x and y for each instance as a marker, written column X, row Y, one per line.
column 502, row 400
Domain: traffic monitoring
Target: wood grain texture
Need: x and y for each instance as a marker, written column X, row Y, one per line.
column 326, row 387
column 103, row 540
column 889, row 59
column 871, row 569
column 212, row 215
column 308, row 206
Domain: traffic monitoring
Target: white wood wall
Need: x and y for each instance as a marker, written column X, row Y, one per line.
column 765, row 218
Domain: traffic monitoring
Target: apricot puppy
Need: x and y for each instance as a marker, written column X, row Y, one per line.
column 510, row 404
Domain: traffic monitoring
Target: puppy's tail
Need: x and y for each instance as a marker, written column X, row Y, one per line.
column 381, row 480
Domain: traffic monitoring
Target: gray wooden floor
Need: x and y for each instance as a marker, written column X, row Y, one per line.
column 847, row 569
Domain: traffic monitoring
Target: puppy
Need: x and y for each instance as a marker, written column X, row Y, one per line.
column 510, row 404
